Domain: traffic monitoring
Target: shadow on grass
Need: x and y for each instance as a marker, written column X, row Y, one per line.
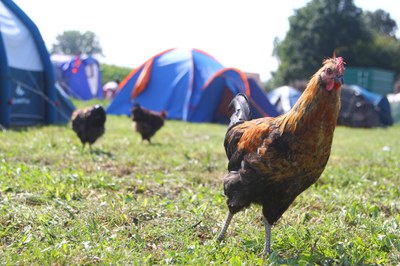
column 99, row 152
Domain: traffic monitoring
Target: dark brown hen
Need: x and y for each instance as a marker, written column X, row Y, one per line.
column 273, row 160
column 147, row 122
column 89, row 124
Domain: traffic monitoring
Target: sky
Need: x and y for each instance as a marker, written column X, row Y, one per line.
column 237, row 33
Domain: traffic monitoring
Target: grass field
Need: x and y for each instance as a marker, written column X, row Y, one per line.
column 131, row 203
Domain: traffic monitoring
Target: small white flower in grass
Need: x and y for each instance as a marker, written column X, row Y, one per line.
column 380, row 237
column 386, row 148
column 86, row 244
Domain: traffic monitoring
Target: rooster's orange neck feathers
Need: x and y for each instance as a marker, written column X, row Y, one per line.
column 316, row 104
column 317, row 110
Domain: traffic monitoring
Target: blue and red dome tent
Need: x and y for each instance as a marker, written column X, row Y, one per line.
column 190, row 85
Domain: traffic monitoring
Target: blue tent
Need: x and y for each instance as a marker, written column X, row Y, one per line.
column 28, row 95
column 80, row 76
column 189, row 85
column 261, row 99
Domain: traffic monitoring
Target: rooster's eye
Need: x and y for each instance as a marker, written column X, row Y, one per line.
column 329, row 71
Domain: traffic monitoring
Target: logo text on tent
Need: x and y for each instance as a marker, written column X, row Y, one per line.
column 19, row 91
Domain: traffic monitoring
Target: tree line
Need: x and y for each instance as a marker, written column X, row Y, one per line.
column 316, row 31
column 364, row 39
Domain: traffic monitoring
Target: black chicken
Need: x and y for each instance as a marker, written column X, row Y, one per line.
column 88, row 124
column 147, row 122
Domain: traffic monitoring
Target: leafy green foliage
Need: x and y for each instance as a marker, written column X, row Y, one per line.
column 316, row 32
column 114, row 73
column 381, row 23
column 75, row 42
column 132, row 203
column 383, row 52
column 323, row 27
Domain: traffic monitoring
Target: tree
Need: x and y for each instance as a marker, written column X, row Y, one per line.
column 381, row 22
column 75, row 42
column 383, row 51
column 317, row 31
column 114, row 73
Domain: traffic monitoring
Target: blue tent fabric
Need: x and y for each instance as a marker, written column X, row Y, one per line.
column 27, row 87
column 188, row 84
column 80, row 76
column 213, row 102
column 261, row 100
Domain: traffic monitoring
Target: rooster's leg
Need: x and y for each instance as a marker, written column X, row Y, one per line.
column 267, row 247
column 225, row 227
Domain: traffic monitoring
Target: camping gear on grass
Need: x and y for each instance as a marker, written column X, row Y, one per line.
column 362, row 108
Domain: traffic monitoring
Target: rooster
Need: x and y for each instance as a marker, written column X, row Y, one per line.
column 89, row 124
column 273, row 160
column 147, row 122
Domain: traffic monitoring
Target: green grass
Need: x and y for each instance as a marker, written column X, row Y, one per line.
column 131, row 203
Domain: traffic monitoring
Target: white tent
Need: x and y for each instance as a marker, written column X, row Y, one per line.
column 283, row 98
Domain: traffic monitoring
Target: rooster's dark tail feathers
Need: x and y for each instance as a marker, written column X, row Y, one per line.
column 241, row 108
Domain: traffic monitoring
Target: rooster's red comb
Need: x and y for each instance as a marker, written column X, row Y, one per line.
column 340, row 64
